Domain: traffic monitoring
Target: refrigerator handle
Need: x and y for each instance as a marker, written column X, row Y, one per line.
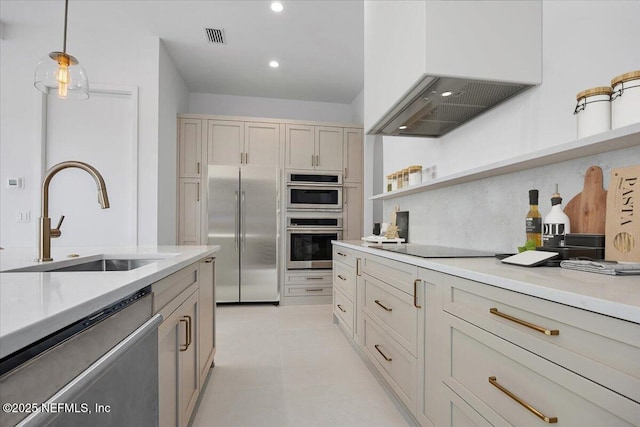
column 235, row 226
column 243, row 225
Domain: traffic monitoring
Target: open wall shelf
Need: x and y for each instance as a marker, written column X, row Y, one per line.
column 615, row 139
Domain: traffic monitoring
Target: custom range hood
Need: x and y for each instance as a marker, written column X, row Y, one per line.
column 437, row 105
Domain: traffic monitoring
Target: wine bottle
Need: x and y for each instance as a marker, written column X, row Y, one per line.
column 533, row 223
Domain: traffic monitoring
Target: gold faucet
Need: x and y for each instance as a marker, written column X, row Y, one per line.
column 46, row 233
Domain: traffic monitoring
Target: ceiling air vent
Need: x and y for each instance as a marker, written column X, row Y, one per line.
column 215, row 35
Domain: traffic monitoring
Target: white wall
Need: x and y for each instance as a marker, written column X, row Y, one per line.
column 173, row 99
column 357, row 108
column 111, row 60
column 229, row 105
column 581, row 49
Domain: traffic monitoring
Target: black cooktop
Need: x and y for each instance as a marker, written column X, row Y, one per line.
column 428, row 251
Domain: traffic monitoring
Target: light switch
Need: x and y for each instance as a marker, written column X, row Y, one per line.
column 15, row 183
column 24, row 216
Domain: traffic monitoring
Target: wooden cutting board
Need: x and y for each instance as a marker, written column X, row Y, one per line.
column 587, row 210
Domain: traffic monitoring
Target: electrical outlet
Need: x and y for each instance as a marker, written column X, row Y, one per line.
column 24, row 216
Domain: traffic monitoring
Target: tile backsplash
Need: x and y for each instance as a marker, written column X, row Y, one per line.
column 489, row 214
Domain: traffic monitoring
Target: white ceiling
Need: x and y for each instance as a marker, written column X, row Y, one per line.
column 319, row 44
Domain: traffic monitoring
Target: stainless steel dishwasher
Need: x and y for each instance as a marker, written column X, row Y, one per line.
column 99, row 371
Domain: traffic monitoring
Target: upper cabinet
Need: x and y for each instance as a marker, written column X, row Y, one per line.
column 317, row 148
column 408, row 42
column 243, row 143
column 190, row 148
column 353, row 155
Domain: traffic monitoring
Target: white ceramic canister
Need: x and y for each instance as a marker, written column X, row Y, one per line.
column 415, row 175
column 625, row 99
column 593, row 111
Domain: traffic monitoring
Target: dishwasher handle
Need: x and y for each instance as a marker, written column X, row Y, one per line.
column 84, row 379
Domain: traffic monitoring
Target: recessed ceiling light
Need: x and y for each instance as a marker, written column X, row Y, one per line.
column 274, row 64
column 402, row 127
column 446, row 93
column 277, row 7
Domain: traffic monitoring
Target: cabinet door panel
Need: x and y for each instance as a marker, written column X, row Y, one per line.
column 189, row 371
column 190, row 147
column 352, row 212
column 262, row 144
column 168, row 359
column 189, row 212
column 300, row 147
column 225, row 142
column 353, row 157
column 329, row 148
column 206, row 320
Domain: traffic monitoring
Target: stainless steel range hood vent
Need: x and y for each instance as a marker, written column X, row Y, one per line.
column 438, row 105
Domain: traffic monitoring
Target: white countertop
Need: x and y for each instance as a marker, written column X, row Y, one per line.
column 614, row 296
column 34, row 305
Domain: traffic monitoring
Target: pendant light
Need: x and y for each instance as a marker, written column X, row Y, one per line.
column 60, row 73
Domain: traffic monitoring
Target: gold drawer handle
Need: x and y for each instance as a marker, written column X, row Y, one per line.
column 524, row 323
column 385, row 308
column 543, row 417
column 341, row 254
column 341, row 277
column 314, row 290
column 341, row 309
column 388, row 359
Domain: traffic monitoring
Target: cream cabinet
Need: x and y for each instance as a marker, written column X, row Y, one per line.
column 308, row 287
column 314, row 148
column 178, row 382
column 207, row 315
column 344, row 289
column 352, row 211
column 186, row 339
column 190, row 148
column 353, row 155
column 190, row 205
column 243, row 143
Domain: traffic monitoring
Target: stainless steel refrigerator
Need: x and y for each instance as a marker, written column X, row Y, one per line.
column 243, row 220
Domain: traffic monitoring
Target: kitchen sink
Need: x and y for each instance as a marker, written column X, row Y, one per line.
column 96, row 263
column 107, row 265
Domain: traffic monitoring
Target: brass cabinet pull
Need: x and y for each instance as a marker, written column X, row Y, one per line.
column 198, row 193
column 241, row 157
column 543, row 417
column 314, row 278
column 341, row 277
column 209, row 260
column 246, row 158
column 317, row 160
column 358, row 270
column 341, row 309
column 185, row 319
column 188, row 331
column 314, row 290
column 415, row 293
column 313, row 160
column 385, row 308
column 341, row 254
column 198, row 168
column 345, row 172
column 545, row 331
column 388, row 359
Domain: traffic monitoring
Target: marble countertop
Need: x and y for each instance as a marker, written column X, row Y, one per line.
column 614, row 296
column 36, row 304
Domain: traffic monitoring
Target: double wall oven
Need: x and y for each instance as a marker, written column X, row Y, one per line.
column 313, row 219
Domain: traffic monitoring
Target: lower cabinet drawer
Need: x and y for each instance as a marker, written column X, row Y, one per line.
column 393, row 310
column 599, row 347
column 499, row 379
column 344, row 278
column 344, row 310
column 307, row 290
column 395, row 364
column 458, row 413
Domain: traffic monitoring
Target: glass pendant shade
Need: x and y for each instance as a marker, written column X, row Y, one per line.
column 60, row 74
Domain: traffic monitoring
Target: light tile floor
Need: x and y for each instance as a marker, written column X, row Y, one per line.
column 289, row 366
